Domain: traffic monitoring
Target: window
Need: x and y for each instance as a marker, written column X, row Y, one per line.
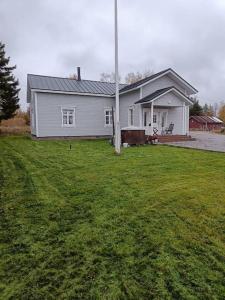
column 108, row 117
column 145, row 118
column 131, row 116
column 154, row 118
column 68, row 117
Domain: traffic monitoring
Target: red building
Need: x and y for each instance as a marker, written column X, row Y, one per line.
column 205, row 123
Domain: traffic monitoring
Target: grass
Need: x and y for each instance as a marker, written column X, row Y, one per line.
column 87, row 224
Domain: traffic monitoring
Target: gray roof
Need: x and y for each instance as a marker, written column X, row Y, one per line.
column 158, row 93
column 41, row 82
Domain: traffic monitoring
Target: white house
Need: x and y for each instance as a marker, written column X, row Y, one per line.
column 62, row 107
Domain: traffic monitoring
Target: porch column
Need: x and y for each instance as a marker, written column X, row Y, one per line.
column 187, row 120
column 184, row 118
column 151, row 118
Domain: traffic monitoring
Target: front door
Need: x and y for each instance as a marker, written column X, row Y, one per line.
column 160, row 119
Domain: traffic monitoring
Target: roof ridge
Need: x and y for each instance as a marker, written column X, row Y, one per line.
column 58, row 77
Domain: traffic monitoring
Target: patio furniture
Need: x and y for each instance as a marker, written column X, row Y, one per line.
column 151, row 139
column 169, row 130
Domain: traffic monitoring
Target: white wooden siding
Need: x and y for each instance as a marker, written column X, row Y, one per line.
column 90, row 120
column 126, row 101
column 158, row 84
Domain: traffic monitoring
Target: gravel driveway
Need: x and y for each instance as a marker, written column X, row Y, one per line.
column 205, row 141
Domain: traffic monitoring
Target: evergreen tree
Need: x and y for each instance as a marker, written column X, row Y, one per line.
column 8, row 87
column 208, row 110
column 196, row 109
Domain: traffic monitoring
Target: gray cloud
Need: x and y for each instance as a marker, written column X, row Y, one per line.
column 52, row 37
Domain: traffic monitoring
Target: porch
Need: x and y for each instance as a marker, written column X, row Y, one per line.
column 155, row 118
column 164, row 108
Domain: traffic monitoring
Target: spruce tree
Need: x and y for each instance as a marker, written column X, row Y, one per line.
column 8, row 87
column 196, row 109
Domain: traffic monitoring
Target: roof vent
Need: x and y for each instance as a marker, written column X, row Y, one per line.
column 78, row 74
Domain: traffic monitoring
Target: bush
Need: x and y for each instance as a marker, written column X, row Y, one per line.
column 24, row 115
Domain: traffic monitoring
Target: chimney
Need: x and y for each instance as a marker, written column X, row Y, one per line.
column 78, row 74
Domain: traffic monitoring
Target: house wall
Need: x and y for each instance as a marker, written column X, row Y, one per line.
column 170, row 99
column 175, row 116
column 89, row 115
column 127, row 100
column 160, row 83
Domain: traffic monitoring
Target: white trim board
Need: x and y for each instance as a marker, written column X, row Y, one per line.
column 171, row 90
column 161, row 75
column 71, row 93
column 36, row 114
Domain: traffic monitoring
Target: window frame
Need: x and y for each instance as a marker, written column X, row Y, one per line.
column 131, row 108
column 74, row 117
column 108, row 109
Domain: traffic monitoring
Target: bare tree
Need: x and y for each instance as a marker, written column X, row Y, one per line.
column 108, row 77
column 73, row 76
column 129, row 78
column 134, row 77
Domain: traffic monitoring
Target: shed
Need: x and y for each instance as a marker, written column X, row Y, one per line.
column 205, row 123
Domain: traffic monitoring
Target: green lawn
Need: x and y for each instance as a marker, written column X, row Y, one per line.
column 87, row 224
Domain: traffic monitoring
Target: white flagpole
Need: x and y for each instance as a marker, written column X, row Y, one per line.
column 117, row 110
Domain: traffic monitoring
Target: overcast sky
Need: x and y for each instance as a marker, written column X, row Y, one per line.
column 52, row 37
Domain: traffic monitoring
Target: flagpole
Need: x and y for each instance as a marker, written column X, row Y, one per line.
column 117, row 110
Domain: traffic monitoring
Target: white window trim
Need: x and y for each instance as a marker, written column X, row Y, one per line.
column 74, row 116
column 129, row 120
column 36, row 114
column 105, row 110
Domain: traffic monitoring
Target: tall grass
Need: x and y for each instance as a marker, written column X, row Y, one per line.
column 15, row 126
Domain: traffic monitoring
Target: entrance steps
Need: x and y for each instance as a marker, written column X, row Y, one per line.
column 174, row 138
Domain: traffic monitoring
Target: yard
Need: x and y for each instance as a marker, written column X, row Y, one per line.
column 86, row 224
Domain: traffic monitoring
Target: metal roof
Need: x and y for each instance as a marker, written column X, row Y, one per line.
column 40, row 82
column 153, row 95
column 206, row 119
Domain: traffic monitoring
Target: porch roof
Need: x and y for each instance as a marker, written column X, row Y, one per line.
column 160, row 93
